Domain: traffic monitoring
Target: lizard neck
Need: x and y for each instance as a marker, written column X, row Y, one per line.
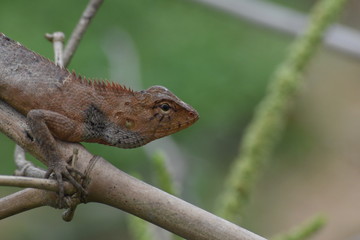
column 101, row 128
column 107, row 115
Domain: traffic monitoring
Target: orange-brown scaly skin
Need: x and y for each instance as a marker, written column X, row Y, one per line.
column 60, row 105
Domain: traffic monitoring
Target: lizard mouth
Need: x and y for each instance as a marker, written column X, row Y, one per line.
column 177, row 126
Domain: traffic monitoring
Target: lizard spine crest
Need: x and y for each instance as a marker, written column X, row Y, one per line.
column 100, row 85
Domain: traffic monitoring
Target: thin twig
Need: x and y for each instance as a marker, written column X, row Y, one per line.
column 24, row 167
column 80, row 29
column 29, row 182
column 57, row 38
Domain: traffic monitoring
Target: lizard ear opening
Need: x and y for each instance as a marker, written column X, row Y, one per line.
column 129, row 123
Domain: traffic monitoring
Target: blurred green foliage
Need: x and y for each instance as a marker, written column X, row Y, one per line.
column 163, row 178
column 264, row 131
column 305, row 231
column 217, row 63
column 302, row 6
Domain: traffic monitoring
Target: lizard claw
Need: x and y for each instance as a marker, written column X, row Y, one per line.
column 61, row 170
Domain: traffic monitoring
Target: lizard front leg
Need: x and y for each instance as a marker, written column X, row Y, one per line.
column 44, row 125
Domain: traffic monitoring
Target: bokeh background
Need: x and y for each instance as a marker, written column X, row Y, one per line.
column 221, row 65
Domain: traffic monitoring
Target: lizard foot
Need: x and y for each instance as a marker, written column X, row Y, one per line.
column 61, row 170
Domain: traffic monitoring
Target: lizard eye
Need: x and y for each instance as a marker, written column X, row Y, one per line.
column 165, row 107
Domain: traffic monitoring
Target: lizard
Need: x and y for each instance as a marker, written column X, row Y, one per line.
column 59, row 104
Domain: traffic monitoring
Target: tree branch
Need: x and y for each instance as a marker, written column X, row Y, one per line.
column 29, row 182
column 108, row 185
column 80, row 29
column 24, row 200
column 24, row 167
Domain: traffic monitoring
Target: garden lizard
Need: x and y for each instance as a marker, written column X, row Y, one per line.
column 61, row 105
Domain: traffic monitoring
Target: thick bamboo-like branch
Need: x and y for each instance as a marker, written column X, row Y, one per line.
column 108, row 185
column 80, row 29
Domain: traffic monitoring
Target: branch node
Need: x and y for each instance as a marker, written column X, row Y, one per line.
column 55, row 37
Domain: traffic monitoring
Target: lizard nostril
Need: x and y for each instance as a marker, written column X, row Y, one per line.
column 193, row 115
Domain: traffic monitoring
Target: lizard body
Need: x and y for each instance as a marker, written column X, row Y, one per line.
column 61, row 105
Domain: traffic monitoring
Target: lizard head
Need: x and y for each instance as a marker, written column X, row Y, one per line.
column 166, row 113
column 155, row 112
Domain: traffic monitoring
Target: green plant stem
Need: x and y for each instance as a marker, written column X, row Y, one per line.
column 162, row 174
column 264, row 131
column 139, row 228
column 305, row 231
column 163, row 178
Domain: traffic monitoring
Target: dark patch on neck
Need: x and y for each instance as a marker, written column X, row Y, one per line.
column 95, row 122
column 98, row 128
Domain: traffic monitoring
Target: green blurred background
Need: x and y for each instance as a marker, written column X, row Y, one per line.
column 219, row 64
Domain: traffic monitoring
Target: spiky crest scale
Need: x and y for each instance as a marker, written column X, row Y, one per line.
column 101, row 85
